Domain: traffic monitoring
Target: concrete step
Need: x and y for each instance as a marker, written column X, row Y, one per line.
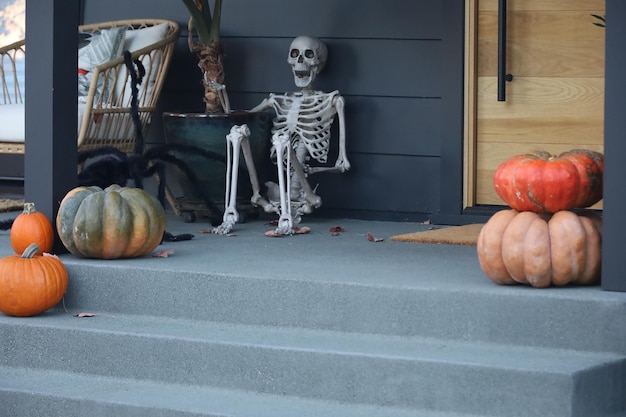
column 35, row 393
column 413, row 373
column 449, row 304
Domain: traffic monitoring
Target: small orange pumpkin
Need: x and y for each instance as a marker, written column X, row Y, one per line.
column 30, row 226
column 541, row 249
column 31, row 284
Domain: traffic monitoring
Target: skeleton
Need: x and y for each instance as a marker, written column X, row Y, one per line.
column 301, row 131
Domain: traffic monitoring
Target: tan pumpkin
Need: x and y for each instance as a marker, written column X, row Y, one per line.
column 117, row 222
column 541, row 249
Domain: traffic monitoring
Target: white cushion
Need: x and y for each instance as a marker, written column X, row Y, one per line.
column 137, row 39
column 140, row 38
column 12, row 120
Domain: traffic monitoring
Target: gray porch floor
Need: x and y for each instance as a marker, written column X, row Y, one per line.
column 347, row 257
column 319, row 255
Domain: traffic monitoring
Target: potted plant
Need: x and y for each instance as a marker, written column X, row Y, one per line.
column 206, row 24
column 208, row 129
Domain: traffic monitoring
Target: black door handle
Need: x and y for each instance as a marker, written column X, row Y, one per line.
column 503, row 77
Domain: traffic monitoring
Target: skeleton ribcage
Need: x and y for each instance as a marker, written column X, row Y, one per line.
column 307, row 120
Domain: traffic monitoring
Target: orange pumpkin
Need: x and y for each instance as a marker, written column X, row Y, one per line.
column 30, row 226
column 31, row 284
column 541, row 249
column 544, row 183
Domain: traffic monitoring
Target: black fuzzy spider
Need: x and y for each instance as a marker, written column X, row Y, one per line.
column 106, row 166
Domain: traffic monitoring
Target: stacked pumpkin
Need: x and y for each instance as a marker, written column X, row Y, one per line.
column 31, row 281
column 543, row 241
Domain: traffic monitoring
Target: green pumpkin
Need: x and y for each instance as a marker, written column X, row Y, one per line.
column 117, row 222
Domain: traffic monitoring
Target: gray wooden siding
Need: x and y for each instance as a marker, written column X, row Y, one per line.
column 388, row 59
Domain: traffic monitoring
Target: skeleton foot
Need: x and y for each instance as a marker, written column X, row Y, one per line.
column 294, row 231
column 227, row 224
column 285, row 227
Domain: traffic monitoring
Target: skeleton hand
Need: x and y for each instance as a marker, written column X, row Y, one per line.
column 342, row 164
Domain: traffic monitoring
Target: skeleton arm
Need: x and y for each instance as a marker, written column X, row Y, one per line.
column 264, row 105
column 342, row 164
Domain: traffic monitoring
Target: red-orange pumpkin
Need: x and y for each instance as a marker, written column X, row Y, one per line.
column 544, row 183
column 31, row 284
column 30, row 226
column 541, row 249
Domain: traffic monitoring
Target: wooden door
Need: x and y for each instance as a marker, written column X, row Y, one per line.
column 555, row 101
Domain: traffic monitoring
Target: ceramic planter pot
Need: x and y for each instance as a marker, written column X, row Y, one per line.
column 208, row 131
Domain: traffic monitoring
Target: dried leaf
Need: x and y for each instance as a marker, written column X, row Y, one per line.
column 81, row 315
column 296, row 231
column 163, row 253
column 337, row 229
column 50, row 254
column 371, row 238
column 206, row 231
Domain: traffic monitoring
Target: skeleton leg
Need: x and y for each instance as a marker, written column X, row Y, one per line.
column 307, row 199
column 257, row 200
column 234, row 139
column 283, row 156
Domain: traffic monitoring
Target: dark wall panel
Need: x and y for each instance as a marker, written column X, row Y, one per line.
column 389, row 19
column 398, row 19
column 382, row 183
column 363, row 67
column 394, row 126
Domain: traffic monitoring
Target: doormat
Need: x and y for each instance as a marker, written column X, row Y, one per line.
column 9, row 204
column 453, row 235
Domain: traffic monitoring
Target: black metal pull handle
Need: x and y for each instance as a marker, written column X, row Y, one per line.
column 503, row 77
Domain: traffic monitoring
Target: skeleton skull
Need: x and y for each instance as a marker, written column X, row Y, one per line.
column 307, row 57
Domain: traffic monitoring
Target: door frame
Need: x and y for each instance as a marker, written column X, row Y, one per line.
column 454, row 116
column 470, row 103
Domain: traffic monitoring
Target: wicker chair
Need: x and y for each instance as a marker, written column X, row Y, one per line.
column 104, row 119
